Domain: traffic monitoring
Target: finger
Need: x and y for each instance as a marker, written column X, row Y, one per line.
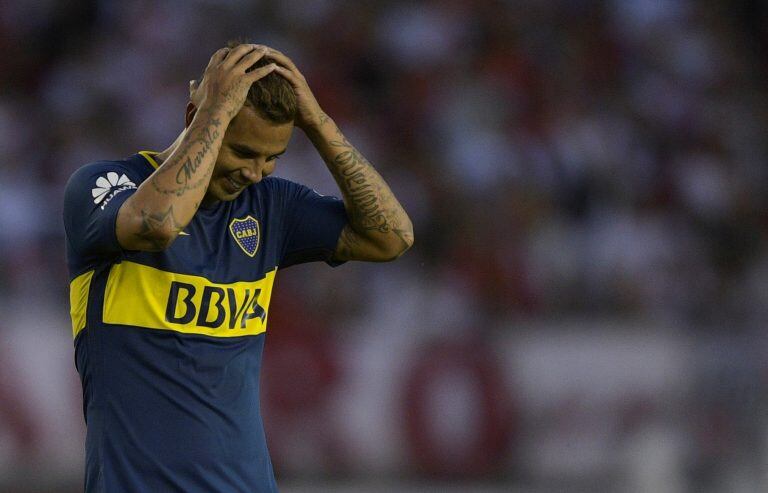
column 288, row 75
column 250, row 59
column 217, row 57
column 282, row 59
column 260, row 72
column 236, row 54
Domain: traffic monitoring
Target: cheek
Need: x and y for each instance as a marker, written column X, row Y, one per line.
column 223, row 167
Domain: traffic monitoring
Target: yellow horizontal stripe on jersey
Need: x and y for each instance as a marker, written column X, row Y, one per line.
column 78, row 300
column 147, row 297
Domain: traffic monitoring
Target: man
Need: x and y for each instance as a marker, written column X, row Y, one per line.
column 172, row 258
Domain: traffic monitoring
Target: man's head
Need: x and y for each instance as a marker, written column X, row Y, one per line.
column 257, row 135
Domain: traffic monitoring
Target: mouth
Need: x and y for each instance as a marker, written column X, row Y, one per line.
column 233, row 186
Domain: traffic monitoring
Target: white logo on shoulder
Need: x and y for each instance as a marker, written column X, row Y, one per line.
column 109, row 186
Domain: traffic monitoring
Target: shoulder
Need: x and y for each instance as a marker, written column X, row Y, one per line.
column 96, row 184
column 276, row 191
column 275, row 184
column 109, row 174
column 287, row 190
column 132, row 168
column 100, row 178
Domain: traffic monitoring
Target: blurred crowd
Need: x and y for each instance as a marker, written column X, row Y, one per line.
column 560, row 159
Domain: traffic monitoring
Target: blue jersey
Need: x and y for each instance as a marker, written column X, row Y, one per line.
column 168, row 344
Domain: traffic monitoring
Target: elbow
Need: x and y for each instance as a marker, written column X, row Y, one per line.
column 159, row 240
column 143, row 229
column 154, row 241
column 396, row 249
column 142, row 236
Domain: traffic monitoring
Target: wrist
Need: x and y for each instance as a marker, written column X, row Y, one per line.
column 315, row 124
column 218, row 108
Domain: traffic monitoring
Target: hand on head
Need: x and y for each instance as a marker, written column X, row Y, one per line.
column 227, row 78
column 231, row 71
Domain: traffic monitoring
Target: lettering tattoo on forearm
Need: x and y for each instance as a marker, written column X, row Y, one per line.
column 189, row 167
column 373, row 207
column 351, row 166
column 186, row 174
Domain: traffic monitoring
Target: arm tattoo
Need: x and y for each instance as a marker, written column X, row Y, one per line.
column 348, row 243
column 231, row 100
column 351, row 167
column 154, row 223
column 186, row 174
column 373, row 207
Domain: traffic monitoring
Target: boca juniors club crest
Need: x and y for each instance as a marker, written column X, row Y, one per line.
column 246, row 234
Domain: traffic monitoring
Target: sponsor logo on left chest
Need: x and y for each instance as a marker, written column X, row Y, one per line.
column 246, row 233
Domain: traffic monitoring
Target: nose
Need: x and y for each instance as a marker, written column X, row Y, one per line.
column 252, row 174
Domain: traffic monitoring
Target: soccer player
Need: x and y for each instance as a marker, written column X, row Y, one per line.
column 172, row 257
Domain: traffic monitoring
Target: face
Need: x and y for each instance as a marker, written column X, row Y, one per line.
column 248, row 153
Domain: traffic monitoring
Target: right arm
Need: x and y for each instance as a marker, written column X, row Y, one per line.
column 165, row 203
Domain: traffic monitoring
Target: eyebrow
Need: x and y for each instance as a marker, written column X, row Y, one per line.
column 247, row 150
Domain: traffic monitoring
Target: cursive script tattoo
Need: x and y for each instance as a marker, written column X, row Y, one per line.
column 187, row 176
column 372, row 205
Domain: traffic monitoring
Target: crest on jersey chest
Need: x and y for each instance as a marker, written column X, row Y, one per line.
column 246, row 233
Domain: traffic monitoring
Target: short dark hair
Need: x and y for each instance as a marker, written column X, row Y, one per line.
column 271, row 96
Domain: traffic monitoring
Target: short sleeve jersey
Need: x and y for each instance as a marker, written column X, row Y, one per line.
column 168, row 344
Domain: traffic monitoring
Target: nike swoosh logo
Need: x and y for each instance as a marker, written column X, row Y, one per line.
column 182, row 233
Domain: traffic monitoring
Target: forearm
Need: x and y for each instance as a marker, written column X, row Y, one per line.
column 374, row 212
column 166, row 202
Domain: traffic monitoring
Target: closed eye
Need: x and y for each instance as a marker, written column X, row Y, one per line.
column 248, row 154
column 244, row 154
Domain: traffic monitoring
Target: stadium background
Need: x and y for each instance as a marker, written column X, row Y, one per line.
column 585, row 306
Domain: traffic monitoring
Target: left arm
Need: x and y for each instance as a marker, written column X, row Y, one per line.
column 379, row 228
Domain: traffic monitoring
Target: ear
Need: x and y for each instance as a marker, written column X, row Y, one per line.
column 191, row 110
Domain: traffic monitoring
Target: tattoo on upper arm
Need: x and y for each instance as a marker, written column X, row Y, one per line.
column 155, row 226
